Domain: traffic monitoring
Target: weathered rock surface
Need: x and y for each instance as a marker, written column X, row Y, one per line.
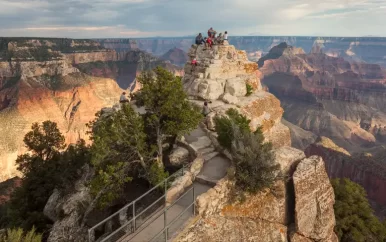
column 222, row 75
column 314, row 199
column 304, row 200
column 368, row 171
column 179, row 156
column 66, row 212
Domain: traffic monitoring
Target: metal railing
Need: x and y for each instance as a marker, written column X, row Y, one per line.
column 163, row 235
column 128, row 219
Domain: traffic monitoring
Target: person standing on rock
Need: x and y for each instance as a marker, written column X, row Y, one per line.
column 210, row 32
column 123, row 98
column 226, row 35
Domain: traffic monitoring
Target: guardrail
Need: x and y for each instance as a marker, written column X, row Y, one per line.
column 128, row 219
column 163, row 235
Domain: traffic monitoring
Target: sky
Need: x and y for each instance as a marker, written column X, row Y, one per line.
column 151, row 18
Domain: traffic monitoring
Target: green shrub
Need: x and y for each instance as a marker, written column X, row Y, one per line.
column 224, row 126
column 254, row 167
column 18, row 235
column 355, row 219
column 249, row 90
column 253, row 159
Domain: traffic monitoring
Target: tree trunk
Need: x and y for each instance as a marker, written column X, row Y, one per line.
column 160, row 148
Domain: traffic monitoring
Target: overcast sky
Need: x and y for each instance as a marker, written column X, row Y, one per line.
column 146, row 18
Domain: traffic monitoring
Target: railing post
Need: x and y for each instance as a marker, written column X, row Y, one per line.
column 194, row 203
column 134, row 217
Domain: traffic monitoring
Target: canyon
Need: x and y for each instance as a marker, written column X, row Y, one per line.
column 329, row 96
column 342, row 102
column 63, row 80
column 360, row 49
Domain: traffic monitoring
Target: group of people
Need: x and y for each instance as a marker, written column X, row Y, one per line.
column 211, row 39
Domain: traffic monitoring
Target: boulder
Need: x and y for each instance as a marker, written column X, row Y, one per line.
column 178, row 187
column 228, row 98
column 236, row 87
column 288, row 158
column 179, row 156
column 50, row 210
column 196, row 166
column 314, row 200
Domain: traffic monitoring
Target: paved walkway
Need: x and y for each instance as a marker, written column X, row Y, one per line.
column 215, row 168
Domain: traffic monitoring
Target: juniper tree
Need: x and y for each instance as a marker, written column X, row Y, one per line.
column 169, row 113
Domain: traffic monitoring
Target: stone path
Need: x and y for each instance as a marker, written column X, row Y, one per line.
column 215, row 168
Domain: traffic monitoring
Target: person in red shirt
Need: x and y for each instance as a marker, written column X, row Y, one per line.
column 209, row 42
column 194, row 64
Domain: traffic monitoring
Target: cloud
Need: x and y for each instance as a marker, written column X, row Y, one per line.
column 143, row 18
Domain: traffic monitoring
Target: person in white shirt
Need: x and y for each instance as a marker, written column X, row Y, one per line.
column 123, row 98
column 226, row 36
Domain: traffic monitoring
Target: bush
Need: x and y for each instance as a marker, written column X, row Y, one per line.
column 45, row 168
column 18, row 235
column 252, row 157
column 224, row 126
column 355, row 220
column 249, row 90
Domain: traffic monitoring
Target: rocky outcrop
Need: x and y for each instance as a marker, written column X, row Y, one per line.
column 314, row 195
column 299, row 208
column 67, row 211
column 175, row 56
column 328, row 96
column 221, row 76
column 368, row 171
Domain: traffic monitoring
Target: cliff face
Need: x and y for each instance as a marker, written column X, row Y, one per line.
column 175, row 56
column 61, row 80
column 221, row 76
column 368, row 171
column 298, row 209
column 329, row 96
column 367, row 49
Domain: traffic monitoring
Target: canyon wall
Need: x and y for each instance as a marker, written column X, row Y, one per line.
column 367, row 170
column 367, row 49
column 329, row 96
column 62, row 80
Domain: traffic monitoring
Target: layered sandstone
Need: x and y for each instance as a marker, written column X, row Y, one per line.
column 368, row 171
column 221, row 76
column 329, row 96
column 291, row 209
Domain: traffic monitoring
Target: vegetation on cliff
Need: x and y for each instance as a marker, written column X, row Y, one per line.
column 126, row 146
column 18, row 235
column 355, row 219
column 45, row 168
column 252, row 157
column 169, row 113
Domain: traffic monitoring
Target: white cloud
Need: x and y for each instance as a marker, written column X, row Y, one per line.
column 132, row 18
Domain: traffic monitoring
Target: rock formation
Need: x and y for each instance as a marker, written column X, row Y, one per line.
column 175, row 56
column 62, row 80
column 329, row 96
column 221, row 76
column 369, row 171
column 273, row 214
column 300, row 209
column 362, row 49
